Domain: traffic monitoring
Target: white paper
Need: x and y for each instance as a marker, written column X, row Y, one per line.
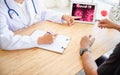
column 59, row 44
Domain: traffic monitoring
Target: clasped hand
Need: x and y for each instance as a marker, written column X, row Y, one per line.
column 48, row 38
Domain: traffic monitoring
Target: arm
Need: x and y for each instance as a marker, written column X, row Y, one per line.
column 89, row 64
column 58, row 17
column 105, row 23
column 54, row 16
column 117, row 27
column 9, row 41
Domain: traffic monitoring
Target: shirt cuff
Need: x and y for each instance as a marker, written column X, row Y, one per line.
column 34, row 41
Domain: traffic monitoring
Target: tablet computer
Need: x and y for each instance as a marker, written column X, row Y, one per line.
column 86, row 11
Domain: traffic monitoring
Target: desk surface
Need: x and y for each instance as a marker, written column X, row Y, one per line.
column 36, row 61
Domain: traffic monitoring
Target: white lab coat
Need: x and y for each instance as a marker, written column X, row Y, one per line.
column 8, row 40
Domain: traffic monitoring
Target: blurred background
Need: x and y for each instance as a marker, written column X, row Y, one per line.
column 65, row 5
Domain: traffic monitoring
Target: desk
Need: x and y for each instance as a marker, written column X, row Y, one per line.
column 36, row 61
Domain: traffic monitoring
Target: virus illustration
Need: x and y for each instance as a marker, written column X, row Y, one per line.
column 89, row 16
column 78, row 12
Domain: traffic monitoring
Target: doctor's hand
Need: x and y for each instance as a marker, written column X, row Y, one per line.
column 46, row 39
column 69, row 19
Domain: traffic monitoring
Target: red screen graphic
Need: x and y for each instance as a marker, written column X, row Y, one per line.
column 85, row 11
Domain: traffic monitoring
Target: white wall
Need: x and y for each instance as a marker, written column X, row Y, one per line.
column 83, row 0
column 56, row 3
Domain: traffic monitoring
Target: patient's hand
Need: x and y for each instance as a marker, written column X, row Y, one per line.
column 105, row 23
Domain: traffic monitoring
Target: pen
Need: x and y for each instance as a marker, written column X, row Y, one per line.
column 49, row 32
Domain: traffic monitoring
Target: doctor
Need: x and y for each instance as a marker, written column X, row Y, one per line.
column 20, row 14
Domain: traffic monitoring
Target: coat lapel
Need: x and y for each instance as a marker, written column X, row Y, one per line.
column 31, row 11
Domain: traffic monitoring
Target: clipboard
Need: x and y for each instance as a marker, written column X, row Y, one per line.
column 59, row 45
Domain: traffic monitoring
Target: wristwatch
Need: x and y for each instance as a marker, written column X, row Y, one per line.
column 83, row 50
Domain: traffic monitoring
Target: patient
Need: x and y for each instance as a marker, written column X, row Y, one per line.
column 110, row 66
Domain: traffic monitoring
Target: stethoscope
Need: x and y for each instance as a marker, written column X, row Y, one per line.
column 12, row 10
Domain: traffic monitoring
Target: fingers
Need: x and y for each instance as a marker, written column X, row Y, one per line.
column 51, row 34
column 87, row 41
column 101, row 26
column 54, row 36
column 70, row 21
column 91, row 39
column 90, row 36
column 72, row 18
column 102, row 23
column 76, row 17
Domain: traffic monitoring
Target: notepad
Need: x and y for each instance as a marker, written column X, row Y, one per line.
column 59, row 45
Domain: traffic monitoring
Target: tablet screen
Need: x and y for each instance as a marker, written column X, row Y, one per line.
column 85, row 11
